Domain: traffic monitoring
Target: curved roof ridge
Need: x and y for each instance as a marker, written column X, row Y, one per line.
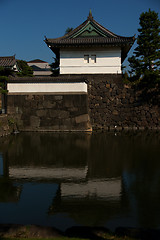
column 76, row 29
column 37, row 61
column 105, row 29
column 67, row 35
column 89, row 19
column 8, row 56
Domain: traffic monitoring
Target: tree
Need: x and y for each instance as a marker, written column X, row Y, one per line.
column 3, row 89
column 145, row 63
column 6, row 71
column 3, row 79
column 55, row 67
column 25, row 70
column 69, row 29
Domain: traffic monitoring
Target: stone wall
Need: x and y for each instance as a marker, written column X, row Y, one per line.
column 114, row 105
column 35, row 112
column 109, row 104
column 0, row 102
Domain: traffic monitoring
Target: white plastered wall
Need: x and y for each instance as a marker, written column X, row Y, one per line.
column 20, row 88
column 40, row 65
column 108, row 60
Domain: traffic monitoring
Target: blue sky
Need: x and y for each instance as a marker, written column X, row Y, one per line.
column 24, row 23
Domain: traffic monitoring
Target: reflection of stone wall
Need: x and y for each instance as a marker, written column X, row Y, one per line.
column 95, row 188
column 50, row 112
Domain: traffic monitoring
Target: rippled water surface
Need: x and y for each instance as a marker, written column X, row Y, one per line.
column 100, row 179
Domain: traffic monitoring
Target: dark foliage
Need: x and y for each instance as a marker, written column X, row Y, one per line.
column 4, row 73
column 69, row 29
column 25, row 70
column 145, row 63
column 55, row 67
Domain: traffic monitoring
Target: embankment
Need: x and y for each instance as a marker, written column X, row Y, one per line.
column 107, row 104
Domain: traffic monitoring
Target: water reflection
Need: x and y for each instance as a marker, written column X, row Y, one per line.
column 80, row 179
column 1, row 165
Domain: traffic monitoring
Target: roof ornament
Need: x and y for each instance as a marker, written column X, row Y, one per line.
column 90, row 17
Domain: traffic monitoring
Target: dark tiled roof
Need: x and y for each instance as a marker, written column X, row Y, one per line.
column 107, row 38
column 37, row 61
column 89, row 41
column 36, row 68
column 7, row 61
column 47, row 79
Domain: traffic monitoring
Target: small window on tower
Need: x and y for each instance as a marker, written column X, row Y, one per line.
column 86, row 58
column 93, row 58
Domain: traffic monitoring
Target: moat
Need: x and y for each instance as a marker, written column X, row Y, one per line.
column 94, row 179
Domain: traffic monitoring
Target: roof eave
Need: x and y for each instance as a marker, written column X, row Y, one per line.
column 56, row 45
column 126, row 49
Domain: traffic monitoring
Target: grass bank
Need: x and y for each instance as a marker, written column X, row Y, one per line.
column 107, row 237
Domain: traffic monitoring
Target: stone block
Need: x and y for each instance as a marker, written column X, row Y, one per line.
column 49, row 104
column 63, row 114
column 6, row 127
column 67, row 122
column 58, row 113
column 96, row 105
column 19, row 110
column 58, row 98
column 27, row 104
column 119, row 128
column 82, row 118
column 114, row 93
column 34, row 104
column 41, row 112
column 47, row 122
column 131, row 100
column 55, row 127
column 141, row 128
column 115, row 112
column 125, row 128
column 143, row 113
column 39, row 97
column 65, row 127
column 53, row 113
column 124, row 101
column 68, row 102
column 29, row 97
column 134, row 128
column 10, row 100
column 11, row 110
column 25, row 123
column 73, row 109
column 108, row 85
column 40, row 105
column 34, row 121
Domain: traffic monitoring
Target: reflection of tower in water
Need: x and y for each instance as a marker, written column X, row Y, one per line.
column 8, row 191
column 83, row 165
column 4, row 165
column 93, row 175
column 88, row 202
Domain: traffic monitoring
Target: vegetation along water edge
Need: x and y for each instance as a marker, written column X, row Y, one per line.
column 15, row 231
